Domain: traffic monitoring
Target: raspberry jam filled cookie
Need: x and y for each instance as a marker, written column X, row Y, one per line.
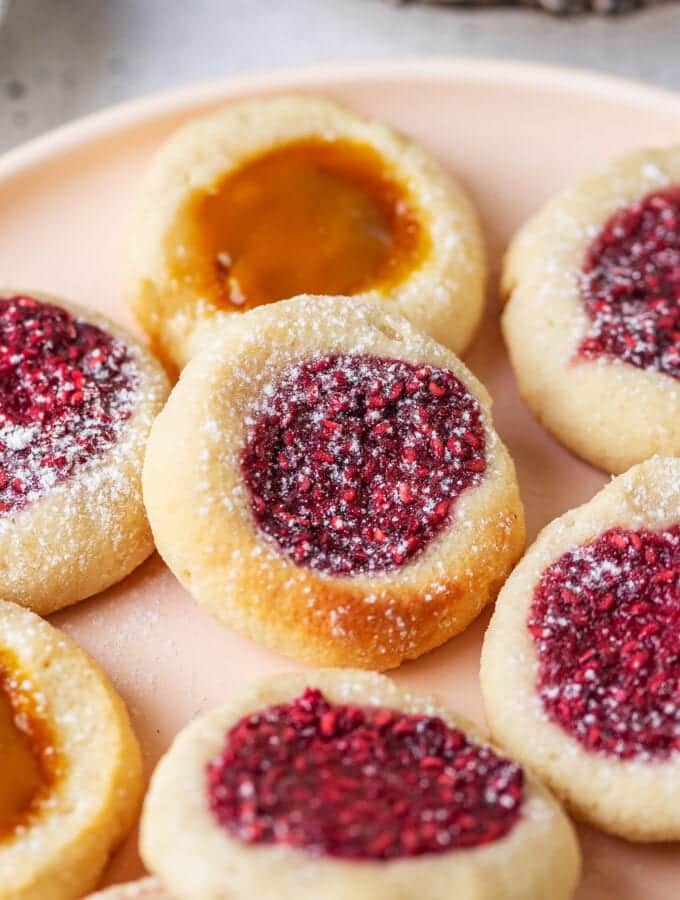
column 593, row 319
column 581, row 662
column 341, row 779
column 271, row 198
column 77, row 398
column 70, row 778
column 336, row 490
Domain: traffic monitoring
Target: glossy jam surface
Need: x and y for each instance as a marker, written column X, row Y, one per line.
column 310, row 217
column 630, row 286
column 66, row 389
column 605, row 620
column 28, row 762
column 360, row 782
column 355, row 463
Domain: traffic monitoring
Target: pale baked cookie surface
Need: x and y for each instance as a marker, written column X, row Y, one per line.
column 335, row 489
column 593, row 318
column 145, row 889
column 338, row 778
column 581, row 661
column 70, row 780
column 77, row 399
column 273, row 197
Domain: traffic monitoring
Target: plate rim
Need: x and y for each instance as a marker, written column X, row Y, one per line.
column 156, row 105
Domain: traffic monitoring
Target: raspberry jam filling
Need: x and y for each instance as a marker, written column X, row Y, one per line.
column 605, row 620
column 354, row 463
column 312, row 216
column 66, row 389
column 360, row 782
column 29, row 763
column 630, row 286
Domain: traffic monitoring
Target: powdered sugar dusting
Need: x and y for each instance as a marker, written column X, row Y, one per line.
column 630, row 286
column 261, row 346
column 354, row 463
column 605, row 620
column 66, row 390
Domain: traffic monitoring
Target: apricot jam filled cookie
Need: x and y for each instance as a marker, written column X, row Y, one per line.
column 70, row 779
column 335, row 489
column 581, row 662
column 338, row 778
column 272, row 198
column 77, row 398
column 593, row 320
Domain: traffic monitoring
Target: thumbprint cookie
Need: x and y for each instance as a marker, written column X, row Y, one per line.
column 77, row 398
column 338, row 778
column 70, row 772
column 593, row 319
column 581, row 662
column 335, row 488
column 274, row 197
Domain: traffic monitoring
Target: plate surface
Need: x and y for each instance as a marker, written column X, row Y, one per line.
column 514, row 134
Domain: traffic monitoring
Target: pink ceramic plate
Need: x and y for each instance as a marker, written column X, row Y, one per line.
column 514, row 134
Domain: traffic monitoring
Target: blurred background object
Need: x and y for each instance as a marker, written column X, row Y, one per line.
column 60, row 59
column 559, row 7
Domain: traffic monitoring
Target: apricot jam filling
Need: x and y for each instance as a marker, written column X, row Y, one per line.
column 313, row 216
column 29, row 763
column 362, row 783
column 354, row 463
column 630, row 286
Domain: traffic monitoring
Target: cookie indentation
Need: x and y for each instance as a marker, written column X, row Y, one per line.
column 66, row 390
column 360, row 782
column 309, row 217
column 605, row 619
column 29, row 761
column 630, row 286
column 355, row 463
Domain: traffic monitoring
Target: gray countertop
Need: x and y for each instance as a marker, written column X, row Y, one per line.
column 60, row 59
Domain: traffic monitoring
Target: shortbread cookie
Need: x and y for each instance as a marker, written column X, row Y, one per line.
column 270, row 198
column 338, row 778
column 77, row 398
column 335, row 488
column 70, row 778
column 593, row 320
column 581, row 662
